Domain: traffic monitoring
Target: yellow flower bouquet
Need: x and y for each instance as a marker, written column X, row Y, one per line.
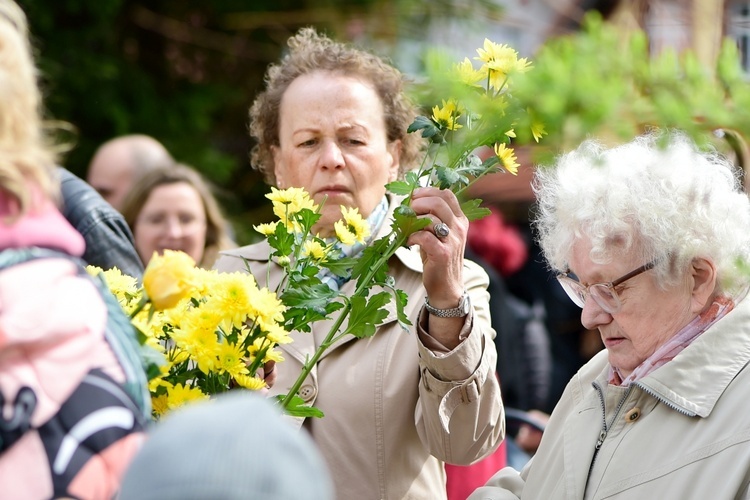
column 212, row 330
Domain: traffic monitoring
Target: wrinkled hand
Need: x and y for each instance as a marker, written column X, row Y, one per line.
column 442, row 256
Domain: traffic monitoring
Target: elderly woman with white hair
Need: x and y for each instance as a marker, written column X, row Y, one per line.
column 652, row 240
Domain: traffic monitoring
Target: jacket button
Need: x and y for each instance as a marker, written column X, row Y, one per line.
column 633, row 415
column 307, row 392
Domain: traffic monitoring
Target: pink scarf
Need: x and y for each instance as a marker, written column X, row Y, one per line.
column 672, row 347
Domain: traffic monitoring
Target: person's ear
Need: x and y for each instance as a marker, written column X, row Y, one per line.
column 703, row 280
column 278, row 171
column 394, row 151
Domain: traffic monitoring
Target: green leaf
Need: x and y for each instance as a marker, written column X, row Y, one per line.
column 298, row 408
column 152, row 360
column 366, row 314
column 424, row 124
column 447, row 177
column 341, row 267
column 491, row 162
column 399, row 188
column 308, row 296
column 307, row 218
column 401, row 301
column 281, row 240
column 406, row 222
column 367, row 261
column 473, row 210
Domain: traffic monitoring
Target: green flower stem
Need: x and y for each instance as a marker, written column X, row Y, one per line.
column 307, row 367
column 331, row 336
column 460, row 192
column 144, row 300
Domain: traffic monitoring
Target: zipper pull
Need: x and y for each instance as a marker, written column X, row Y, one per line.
column 600, row 441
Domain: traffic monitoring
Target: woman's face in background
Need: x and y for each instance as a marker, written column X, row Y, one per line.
column 173, row 218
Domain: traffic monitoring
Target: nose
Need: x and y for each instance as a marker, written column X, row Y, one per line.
column 331, row 156
column 173, row 228
column 592, row 315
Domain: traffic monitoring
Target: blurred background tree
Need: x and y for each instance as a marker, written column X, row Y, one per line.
column 186, row 72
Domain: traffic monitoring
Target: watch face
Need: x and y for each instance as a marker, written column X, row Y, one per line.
column 465, row 305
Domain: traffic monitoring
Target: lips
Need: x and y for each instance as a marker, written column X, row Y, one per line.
column 332, row 191
column 613, row 341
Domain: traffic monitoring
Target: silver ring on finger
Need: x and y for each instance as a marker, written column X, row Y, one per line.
column 442, row 230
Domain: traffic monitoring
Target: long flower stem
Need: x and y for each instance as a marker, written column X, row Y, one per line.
column 364, row 285
column 138, row 308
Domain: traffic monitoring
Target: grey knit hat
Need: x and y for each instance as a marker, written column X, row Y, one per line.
column 235, row 446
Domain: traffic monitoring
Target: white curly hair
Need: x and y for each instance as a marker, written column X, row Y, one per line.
column 656, row 198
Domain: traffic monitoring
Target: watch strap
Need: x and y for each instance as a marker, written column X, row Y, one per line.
column 454, row 312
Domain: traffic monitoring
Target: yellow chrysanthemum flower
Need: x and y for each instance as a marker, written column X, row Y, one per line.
column 231, row 359
column 169, row 278
column 94, row 270
column 201, row 344
column 266, row 307
column 266, row 229
column 122, row 286
column 234, row 297
column 511, row 133
column 295, row 198
column 251, row 383
column 467, row 74
column 159, row 404
column 205, row 281
column 507, row 157
column 288, row 202
column 276, row 333
column 315, row 250
column 179, row 395
column 447, row 116
column 353, row 228
column 537, row 130
column 501, row 61
column 273, row 355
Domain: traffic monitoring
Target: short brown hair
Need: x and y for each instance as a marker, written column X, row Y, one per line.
column 310, row 52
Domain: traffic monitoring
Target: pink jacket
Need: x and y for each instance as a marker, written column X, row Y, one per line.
column 68, row 426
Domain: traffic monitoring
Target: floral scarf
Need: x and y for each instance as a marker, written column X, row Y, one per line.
column 672, row 347
column 375, row 221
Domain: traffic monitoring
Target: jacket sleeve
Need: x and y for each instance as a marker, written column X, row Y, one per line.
column 460, row 417
column 109, row 241
column 506, row 484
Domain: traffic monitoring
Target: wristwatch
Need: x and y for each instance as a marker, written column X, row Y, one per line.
column 464, row 304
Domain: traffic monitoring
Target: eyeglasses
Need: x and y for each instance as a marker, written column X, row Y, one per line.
column 604, row 294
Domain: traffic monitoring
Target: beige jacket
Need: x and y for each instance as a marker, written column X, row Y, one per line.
column 682, row 432
column 384, row 396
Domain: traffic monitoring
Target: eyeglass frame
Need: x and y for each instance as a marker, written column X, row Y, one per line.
column 565, row 277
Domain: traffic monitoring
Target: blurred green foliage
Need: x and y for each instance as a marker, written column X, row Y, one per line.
column 599, row 83
column 186, row 72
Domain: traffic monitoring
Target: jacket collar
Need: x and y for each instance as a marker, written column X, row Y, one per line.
column 697, row 377
column 304, row 343
column 409, row 257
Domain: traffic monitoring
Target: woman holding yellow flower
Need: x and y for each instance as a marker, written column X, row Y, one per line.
column 333, row 122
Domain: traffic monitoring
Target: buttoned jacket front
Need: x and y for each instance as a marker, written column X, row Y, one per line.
column 682, row 432
column 387, row 398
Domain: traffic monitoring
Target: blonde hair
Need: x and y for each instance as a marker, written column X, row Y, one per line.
column 26, row 155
